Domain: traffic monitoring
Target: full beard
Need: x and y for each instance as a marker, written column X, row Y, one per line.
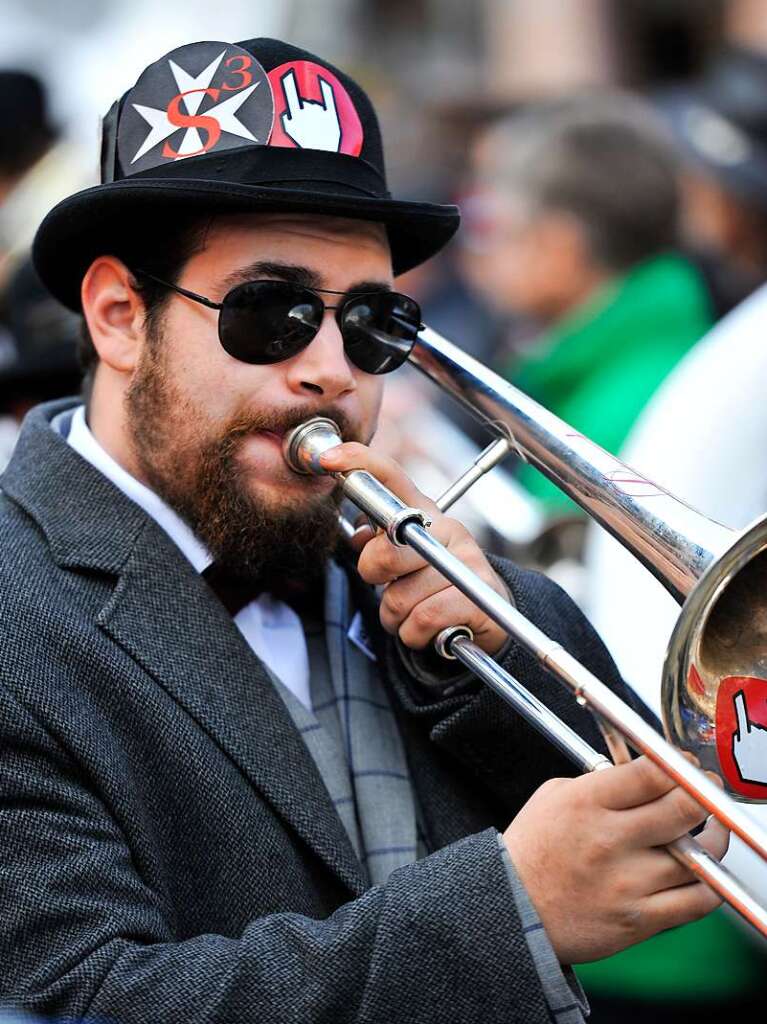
column 202, row 479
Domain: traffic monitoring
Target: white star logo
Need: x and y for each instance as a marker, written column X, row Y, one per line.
column 161, row 128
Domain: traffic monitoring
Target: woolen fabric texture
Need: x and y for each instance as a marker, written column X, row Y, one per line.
column 168, row 850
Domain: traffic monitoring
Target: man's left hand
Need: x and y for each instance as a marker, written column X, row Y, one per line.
column 418, row 602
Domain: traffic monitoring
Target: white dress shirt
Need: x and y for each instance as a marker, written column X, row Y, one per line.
column 271, row 628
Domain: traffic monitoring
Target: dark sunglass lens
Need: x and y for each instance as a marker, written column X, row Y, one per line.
column 268, row 321
column 379, row 330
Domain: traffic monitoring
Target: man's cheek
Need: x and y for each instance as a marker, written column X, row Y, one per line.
column 371, row 410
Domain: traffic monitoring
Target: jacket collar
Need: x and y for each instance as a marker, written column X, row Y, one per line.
column 87, row 521
column 85, row 443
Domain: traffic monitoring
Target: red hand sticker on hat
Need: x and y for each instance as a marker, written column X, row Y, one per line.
column 313, row 110
column 741, row 734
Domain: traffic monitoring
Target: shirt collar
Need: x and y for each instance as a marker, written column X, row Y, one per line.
column 73, row 426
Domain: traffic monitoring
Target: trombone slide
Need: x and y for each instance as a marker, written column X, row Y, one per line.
column 302, row 448
column 686, row 849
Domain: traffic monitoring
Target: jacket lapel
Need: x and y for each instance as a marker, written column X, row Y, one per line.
column 167, row 619
column 165, row 616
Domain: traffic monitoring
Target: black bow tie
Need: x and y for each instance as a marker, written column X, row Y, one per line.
column 305, row 596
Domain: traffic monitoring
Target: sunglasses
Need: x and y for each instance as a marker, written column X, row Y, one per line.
column 263, row 322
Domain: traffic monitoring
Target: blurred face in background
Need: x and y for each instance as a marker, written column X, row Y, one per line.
column 526, row 261
column 717, row 221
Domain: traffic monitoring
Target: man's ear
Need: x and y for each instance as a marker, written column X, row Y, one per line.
column 114, row 313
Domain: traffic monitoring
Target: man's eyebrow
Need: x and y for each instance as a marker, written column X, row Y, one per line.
column 368, row 286
column 293, row 274
column 290, row 272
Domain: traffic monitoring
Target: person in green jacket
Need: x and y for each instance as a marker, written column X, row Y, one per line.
column 583, row 239
column 599, row 365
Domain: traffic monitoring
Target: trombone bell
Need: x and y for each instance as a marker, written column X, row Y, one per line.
column 714, row 686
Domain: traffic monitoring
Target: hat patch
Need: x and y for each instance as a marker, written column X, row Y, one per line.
column 198, row 98
column 313, row 110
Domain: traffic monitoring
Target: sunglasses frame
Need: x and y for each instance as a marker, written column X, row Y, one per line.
column 319, row 292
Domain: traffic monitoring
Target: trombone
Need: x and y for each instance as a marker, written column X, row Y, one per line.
column 712, row 569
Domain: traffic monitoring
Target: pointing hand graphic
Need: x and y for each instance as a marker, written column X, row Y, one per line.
column 749, row 745
column 309, row 123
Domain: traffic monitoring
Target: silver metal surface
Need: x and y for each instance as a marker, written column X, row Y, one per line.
column 708, row 869
column 384, row 508
column 719, row 573
column 303, row 445
column 443, row 641
column 302, row 448
column 495, row 452
column 589, row 690
column 675, row 542
column 565, row 739
column 495, row 501
column 685, row 849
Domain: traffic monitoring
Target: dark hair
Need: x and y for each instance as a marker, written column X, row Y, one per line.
column 604, row 158
column 164, row 251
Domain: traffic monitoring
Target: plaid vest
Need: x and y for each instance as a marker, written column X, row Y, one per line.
column 353, row 738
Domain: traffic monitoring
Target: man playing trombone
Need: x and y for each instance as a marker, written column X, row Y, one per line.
column 233, row 784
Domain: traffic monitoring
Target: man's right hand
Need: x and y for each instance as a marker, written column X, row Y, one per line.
column 590, row 853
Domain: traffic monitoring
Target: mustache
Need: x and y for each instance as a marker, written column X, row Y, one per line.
column 281, row 421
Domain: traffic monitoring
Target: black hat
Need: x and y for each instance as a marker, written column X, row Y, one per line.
column 229, row 128
column 720, row 121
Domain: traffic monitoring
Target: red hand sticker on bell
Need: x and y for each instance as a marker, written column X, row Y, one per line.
column 313, row 110
column 741, row 735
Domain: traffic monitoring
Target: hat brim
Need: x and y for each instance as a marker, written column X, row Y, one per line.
column 93, row 222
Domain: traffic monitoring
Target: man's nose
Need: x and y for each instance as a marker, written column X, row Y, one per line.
column 322, row 368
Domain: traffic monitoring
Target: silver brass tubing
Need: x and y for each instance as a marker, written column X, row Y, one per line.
column 686, row 849
column 346, row 527
column 690, row 853
column 716, row 573
column 588, row 689
column 565, row 739
column 388, row 512
column 672, row 540
column 495, row 452
column 384, row 508
column 490, row 457
column 302, row 447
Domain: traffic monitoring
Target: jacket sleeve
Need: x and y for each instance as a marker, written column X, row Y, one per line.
column 82, row 935
column 483, row 732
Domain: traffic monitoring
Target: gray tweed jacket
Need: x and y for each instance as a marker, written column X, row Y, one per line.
column 168, row 851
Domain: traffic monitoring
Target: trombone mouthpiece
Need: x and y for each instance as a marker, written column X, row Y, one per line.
column 303, row 445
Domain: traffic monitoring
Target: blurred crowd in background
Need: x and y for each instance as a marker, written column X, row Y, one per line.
column 610, row 160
